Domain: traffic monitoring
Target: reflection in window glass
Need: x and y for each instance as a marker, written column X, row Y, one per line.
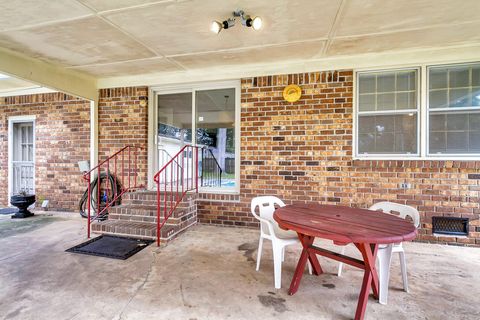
column 387, row 112
column 454, row 122
column 394, row 134
column 216, row 132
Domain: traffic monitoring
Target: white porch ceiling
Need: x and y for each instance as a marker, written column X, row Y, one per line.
column 114, row 38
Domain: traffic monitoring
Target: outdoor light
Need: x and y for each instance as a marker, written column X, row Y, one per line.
column 255, row 23
column 246, row 20
column 216, row 26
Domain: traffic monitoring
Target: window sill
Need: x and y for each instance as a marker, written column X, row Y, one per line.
column 219, row 191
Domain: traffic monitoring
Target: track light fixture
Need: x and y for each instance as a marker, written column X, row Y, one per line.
column 246, row 20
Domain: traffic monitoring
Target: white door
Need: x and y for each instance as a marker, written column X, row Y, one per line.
column 22, row 157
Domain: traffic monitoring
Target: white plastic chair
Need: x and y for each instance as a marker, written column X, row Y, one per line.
column 270, row 230
column 385, row 251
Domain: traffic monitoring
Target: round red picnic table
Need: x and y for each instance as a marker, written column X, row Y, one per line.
column 364, row 228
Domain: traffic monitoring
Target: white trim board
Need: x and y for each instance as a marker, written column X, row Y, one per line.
column 11, row 121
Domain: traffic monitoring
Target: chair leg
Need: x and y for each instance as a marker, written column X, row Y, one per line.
column 403, row 266
column 283, row 254
column 309, row 267
column 384, row 259
column 340, row 265
column 259, row 253
column 277, row 265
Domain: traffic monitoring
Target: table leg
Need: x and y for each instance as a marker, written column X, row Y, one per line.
column 306, row 241
column 370, row 277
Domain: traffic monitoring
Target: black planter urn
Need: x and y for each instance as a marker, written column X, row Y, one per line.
column 22, row 202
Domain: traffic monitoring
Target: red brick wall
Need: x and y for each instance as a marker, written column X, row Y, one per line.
column 123, row 120
column 302, row 152
column 62, row 129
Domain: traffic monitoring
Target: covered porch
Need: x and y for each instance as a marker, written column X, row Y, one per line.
column 209, row 273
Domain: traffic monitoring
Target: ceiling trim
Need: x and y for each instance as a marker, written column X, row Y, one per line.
column 460, row 53
column 48, row 75
column 25, row 91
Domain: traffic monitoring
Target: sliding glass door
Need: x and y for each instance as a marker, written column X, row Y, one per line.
column 206, row 117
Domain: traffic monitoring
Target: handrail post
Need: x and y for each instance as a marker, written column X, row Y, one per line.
column 129, row 167
column 89, row 199
column 158, row 212
column 196, row 169
column 99, row 182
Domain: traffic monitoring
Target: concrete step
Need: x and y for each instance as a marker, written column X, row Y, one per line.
column 144, row 211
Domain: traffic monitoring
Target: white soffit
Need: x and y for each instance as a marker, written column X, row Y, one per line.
column 10, row 86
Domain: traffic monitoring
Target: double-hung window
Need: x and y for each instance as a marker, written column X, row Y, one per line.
column 387, row 113
column 454, row 110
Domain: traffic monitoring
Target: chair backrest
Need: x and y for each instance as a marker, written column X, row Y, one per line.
column 401, row 210
column 266, row 207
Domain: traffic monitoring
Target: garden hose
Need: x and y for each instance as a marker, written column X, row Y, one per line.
column 114, row 190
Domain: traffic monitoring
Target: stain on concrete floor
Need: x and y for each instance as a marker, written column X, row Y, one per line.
column 249, row 248
column 278, row 304
column 10, row 227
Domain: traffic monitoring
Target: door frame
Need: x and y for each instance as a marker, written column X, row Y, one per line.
column 11, row 121
column 154, row 91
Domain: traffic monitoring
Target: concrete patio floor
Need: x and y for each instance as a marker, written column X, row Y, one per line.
column 209, row 273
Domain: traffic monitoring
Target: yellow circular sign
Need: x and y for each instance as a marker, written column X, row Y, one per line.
column 292, row 93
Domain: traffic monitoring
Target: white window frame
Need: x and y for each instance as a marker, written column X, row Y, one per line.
column 11, row 121
column 423, row 95
column 470, row 156
column 388, row 112
column 193, row 87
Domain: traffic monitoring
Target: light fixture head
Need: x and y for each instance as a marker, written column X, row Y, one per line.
column 216, row 26
column 257, row 23
column 246, row 20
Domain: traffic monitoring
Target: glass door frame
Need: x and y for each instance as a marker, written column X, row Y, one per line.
column 155, row 91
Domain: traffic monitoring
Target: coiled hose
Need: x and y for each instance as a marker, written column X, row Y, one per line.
column 114, row 190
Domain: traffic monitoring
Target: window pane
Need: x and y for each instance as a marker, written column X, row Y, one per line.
column 476, row 96
column 387, row 134
column 474, row 142
column 367, row 83
column 406, row 81
column 457, row 142
column 460, row 98
column 386, row 82
column 461, row 83
column 438, row 99
column 454, row 132
column 438, row 122
column 476, row 76
column 438, row 79
column 437, row 142
column 459, row 78
column 367, row 102
column 386, row 101
column 406, row 100
column 215, row 121
column 457, row 122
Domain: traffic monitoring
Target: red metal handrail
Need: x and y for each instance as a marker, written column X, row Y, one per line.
column 126, row 161
column 182, row 169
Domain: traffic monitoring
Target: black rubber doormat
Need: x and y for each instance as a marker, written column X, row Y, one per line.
column 111, row 247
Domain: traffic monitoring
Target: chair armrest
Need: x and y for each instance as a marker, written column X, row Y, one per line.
column 271, row 230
